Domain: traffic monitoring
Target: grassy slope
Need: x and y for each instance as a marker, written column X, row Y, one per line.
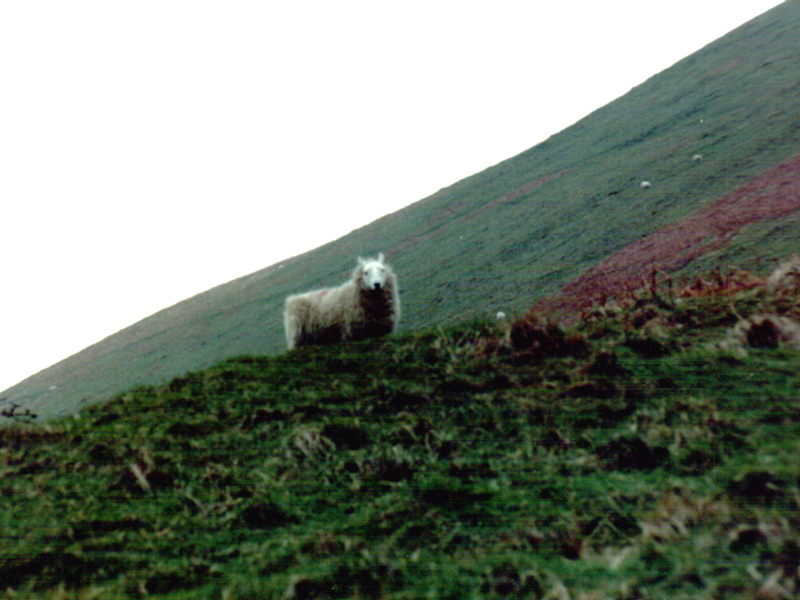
column 515, row 232
column 628, row 457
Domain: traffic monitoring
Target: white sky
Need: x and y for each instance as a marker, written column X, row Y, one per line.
column 151, row 150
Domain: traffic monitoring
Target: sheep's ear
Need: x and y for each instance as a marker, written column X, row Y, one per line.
column 381, row 257
column 361, row 261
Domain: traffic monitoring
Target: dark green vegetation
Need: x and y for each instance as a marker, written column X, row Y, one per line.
column 520, row 230
column 629, row 456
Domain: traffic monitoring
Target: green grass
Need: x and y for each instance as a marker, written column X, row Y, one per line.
column 629, row 456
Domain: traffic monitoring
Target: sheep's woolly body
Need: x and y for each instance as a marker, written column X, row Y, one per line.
column 351, row 311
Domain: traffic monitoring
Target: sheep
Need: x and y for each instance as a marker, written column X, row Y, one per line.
column 645, row 184
column 366, row 306
column 697, row 157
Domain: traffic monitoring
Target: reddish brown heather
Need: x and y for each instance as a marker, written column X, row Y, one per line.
column 771, row 195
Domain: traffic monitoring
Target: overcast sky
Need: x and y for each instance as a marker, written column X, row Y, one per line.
column 151, row 150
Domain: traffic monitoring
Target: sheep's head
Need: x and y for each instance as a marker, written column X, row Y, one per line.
column 373, row 273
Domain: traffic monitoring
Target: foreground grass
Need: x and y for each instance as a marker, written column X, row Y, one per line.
column 627, row 457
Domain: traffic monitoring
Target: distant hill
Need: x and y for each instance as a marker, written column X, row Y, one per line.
column 715, row 134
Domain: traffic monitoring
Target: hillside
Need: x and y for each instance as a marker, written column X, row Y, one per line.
column 522, row 230
column 648, row 451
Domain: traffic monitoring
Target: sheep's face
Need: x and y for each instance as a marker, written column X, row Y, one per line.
column 373, row 275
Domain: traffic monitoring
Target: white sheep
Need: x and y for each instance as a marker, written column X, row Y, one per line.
column 366, row 306
column 645, row 184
